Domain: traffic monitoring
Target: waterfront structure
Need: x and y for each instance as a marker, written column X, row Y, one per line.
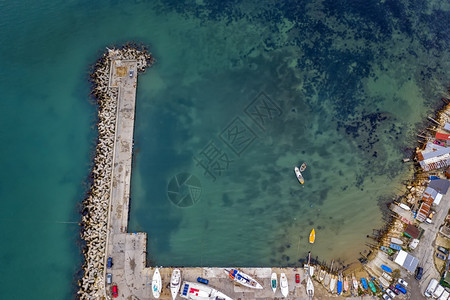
column 434, row 157
column 406, row 260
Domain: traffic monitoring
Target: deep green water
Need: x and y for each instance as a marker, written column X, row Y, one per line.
column 247, row 89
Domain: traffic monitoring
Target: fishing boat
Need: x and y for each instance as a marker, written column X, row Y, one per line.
column 273, row 280
column 175, row 283
column 387, row 250
column 364, row 283
column 299, row 175
column 243, row 279
column 396, row 241
column 395, row 246
column 355, row 282
column 326, row 281
column 156, row 283
column 345, row 284
column 332, row 284
column 309, row 287
column 322, row 275
column 303, row 167
column 372, row 287
column 284, row 285
column 339, row 285
column 196, row 291
column 312, row 236
column 386, row 268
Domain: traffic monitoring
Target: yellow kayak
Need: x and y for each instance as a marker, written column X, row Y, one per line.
column 312, row 236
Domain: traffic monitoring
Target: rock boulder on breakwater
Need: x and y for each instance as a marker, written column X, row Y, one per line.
column 94, row 219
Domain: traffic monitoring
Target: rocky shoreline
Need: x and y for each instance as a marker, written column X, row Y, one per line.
column 95, row 207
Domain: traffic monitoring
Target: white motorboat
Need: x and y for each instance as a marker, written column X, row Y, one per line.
column 196, row 291
column 299, row 175
column 303, row 167
column 332, row 284
column 309, row 287
column 273, row 280
column 242, row 278
column 156, row 284
column 175, row 283
column 284, row 285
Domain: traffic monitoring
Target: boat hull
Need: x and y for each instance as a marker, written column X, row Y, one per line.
column 312, row 236
column 273, row 281
column 156, row 284
column 175, row 283
column 244, row 279
column 299, row 175
column 284, row 285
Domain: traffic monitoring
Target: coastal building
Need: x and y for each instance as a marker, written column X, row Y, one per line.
column 434, row 157
column 432, row 196
column 447, row 126
column 406, row 260
column 412, row 231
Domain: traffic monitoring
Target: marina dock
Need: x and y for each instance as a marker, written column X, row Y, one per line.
column 128, row 250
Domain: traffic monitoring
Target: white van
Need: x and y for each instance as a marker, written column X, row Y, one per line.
column 438, row 291
column 431, row 287
column 413, row 244
column 444, row 295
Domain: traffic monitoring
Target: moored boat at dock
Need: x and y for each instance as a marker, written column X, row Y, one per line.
column 355, row 282
column 156, row 284
column 273, row 281
column 346, row 284
column 327, row 279
column 309, row 287
column 284, row 285
column 364, row 283
column 175, row 283
column 321, row 275
column 299, row 175
column 196, row 291
column 339, row 285
column 242, row 278
column 332, row 284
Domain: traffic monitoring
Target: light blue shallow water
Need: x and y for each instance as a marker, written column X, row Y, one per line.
column 339, row 86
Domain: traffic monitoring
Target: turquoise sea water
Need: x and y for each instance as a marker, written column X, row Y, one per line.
column 248, row 89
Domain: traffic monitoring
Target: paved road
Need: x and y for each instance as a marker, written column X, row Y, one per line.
column 425, row 250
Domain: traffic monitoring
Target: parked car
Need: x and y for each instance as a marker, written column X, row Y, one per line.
column 115, row 291
column 202, row 280
column 386, row 297
column 297, row 278
column 131, row 73
column 419, row 273
column 390, row 293
column 108, row 278
column 392, row 288
column 443, row 250
column 440, row 256
column 109, row 263
column 402, row 282
column 400, row 288
column 431, row 287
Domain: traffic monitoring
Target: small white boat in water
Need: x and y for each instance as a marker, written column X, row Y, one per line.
column 175, row 283
column 156, row 284
column 299, row 175
column 273, row 281
column 284, row 285
column 303, row 167
column 243, row 279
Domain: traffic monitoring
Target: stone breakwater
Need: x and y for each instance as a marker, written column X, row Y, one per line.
column 96, row 205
